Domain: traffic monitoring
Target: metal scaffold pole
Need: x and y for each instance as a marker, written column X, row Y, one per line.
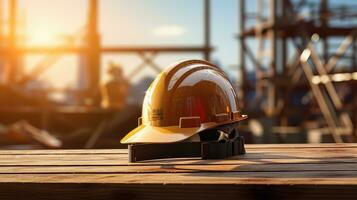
column 93, row 46
column 12, row 53
column 207, row 29
column 242, row 71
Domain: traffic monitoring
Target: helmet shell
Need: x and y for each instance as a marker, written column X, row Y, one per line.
column 186, row 98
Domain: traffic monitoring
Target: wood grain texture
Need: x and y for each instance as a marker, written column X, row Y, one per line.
column 286, row 171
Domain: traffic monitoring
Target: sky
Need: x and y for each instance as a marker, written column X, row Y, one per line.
column 132, row 22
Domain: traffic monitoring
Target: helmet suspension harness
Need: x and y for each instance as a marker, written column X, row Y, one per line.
column 219, row 149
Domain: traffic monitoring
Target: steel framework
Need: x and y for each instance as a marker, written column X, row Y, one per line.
column 36, row 106
column 282, row 70
column 91, row 50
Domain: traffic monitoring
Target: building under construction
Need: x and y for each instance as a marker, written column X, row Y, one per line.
column 83, row 112
column 304, row 62
column 298, row 73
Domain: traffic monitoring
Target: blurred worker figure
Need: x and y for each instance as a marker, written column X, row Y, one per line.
column 24, row 133
column 115, row 90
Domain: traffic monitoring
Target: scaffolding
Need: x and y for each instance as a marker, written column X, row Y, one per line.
column 91, row 50
column 36, row 106
column 293, row 49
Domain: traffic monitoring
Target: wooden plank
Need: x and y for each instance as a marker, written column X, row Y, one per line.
column 250, row 148
column 253, row 167
column 118, row 163
column 324, row 145
column 266, row 171
column 63, row 151
column 172, row 191
column 284, row 155
column 214, row 178
column 169, row 162
column 124, row 151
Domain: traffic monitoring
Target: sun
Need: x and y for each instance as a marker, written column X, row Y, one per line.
column 42, row 37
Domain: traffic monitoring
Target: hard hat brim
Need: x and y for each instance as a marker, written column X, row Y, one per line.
column 153, row 134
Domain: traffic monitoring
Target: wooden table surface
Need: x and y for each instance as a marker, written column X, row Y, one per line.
column 285, row 171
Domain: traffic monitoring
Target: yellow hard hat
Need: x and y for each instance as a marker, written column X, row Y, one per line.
column 185, row 99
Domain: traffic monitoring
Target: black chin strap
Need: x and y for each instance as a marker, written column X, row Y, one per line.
column 205, row 150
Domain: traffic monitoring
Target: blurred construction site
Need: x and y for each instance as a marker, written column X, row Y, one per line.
column 295, row 68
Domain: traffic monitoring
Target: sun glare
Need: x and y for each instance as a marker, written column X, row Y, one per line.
column 43, row 37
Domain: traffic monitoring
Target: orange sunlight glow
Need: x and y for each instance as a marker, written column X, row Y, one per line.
column 42, row 37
